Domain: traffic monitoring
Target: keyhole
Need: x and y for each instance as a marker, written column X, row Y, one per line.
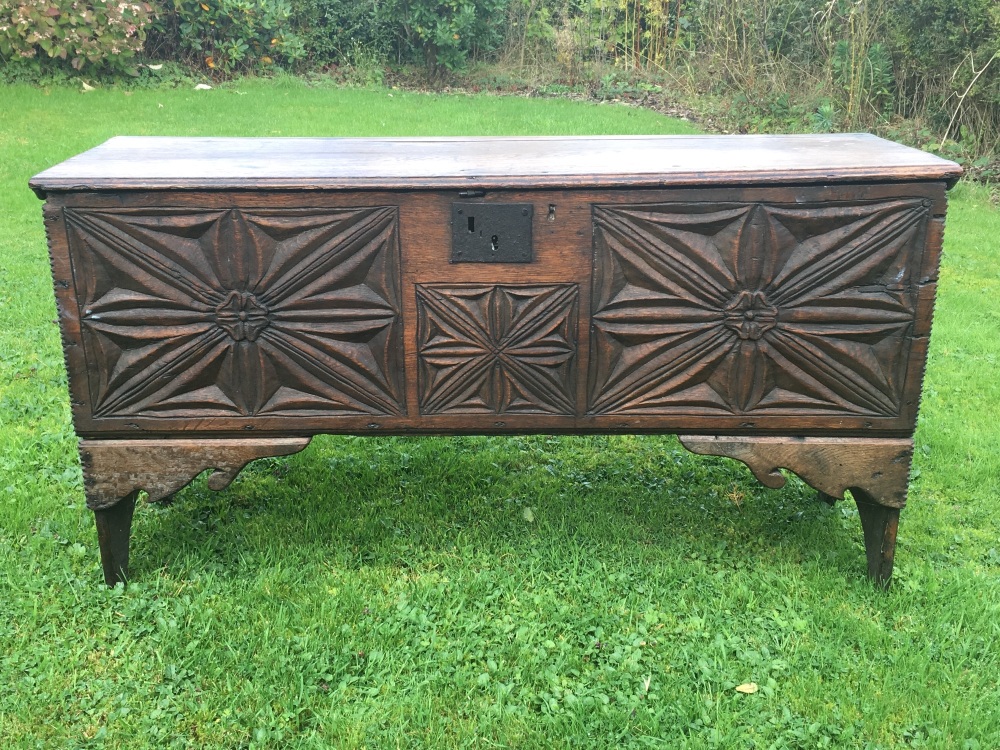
column 472, row 223
column 495, row 243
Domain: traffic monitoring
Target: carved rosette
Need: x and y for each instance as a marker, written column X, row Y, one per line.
column 753, row 308
column 497, row 349
column 242, row 316
column 228, row 312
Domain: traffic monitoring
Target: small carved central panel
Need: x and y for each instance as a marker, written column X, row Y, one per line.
column 753, row 308
column 189, row 313
column 497, row 349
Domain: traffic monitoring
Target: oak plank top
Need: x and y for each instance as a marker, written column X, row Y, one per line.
column 172, row 163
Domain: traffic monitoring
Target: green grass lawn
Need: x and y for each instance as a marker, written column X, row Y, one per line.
column 482, row 592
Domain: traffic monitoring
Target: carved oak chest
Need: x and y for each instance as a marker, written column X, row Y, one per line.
column 767, row 298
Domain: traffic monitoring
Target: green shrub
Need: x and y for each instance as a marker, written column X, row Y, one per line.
column 865, row 78
column 941, row 49
column 446, row 33
column 233, row 35
column 99, row 35
column 338, row 31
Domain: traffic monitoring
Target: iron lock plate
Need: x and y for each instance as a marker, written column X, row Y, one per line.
column 491, row 233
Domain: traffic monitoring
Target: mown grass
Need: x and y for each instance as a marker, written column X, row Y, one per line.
column 482, row 592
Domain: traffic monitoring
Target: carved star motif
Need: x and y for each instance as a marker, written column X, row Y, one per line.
column 230, row 312
column 496, row 349
column 753, row 308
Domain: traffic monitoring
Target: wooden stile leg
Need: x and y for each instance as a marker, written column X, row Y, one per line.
column 114, row 528
column 114, row 471
column 876, row 471
column 879, row 524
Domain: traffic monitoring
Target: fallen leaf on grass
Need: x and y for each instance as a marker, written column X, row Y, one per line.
column 747, row 688
column 529, row 515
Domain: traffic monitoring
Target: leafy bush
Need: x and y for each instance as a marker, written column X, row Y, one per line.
column 865, row 78
column 98, row 35
column 824, row 119
column 946, row 62
column 446, row 33
column 233, row 35
column 786, row 64
column 337, row 31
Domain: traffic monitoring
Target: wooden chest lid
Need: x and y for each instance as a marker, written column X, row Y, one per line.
column 168, row 163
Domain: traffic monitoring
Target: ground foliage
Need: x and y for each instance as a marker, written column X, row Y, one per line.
column 96, row 36
column 602, row 592
column 928, row 69
column 926, row 72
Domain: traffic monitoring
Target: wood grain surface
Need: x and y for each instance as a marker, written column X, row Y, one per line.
column 114, row 470
column 877, row 471
column 754, row 308
column 497, row 349
column 722, row 310
column 158, row 163
column 203, row 313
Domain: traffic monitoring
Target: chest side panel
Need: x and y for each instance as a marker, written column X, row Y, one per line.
column 755, row 309
column 203, row 313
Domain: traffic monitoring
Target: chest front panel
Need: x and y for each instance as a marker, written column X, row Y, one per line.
column 637, row 310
